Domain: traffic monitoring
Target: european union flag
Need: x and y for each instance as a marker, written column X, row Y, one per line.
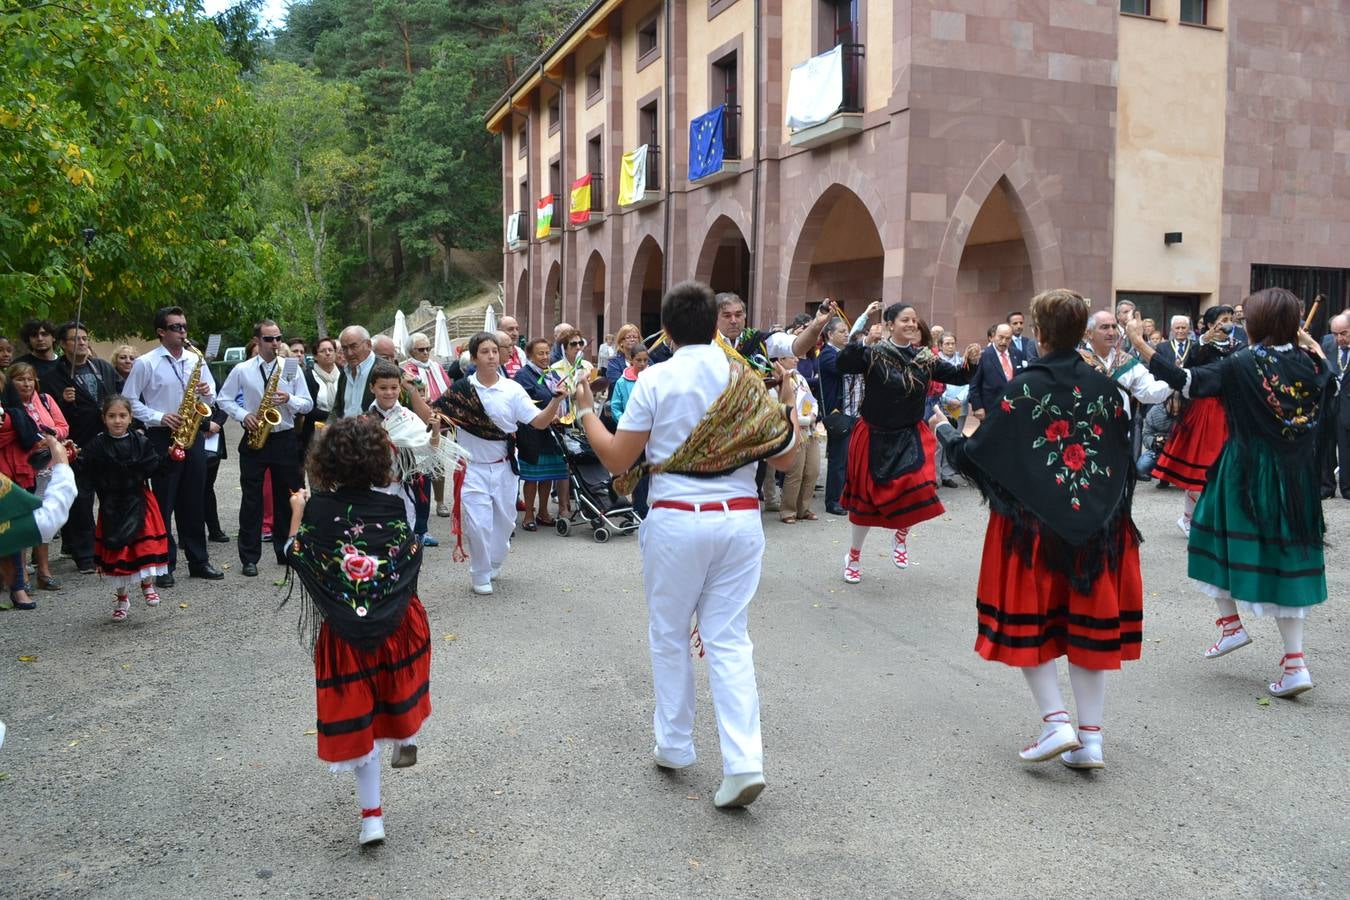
column 705, row 143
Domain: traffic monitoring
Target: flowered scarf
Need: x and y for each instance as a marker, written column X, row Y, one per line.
column 357, row 564
column 744, row 425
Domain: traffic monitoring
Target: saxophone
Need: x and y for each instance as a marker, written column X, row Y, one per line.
column 192, row 411
column 268, row 417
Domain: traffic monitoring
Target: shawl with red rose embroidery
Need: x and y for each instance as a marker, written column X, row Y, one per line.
column 1057, row 464
column 357, row 563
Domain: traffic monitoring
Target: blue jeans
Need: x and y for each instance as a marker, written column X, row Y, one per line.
column 1145, row 465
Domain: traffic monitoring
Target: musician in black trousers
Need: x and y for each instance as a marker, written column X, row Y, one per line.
column 156, row 387
column 215, row 454
column 242, row 397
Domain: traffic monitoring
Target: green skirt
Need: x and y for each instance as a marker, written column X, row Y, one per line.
column 1255, row 561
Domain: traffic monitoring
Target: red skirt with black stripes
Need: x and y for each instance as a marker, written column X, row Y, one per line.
column 365, row 697
column 900, row 502
column 146, row 556
column 1194, row 445
column 1029, row 615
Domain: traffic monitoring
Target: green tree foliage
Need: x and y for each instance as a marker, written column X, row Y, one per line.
column 125, row 116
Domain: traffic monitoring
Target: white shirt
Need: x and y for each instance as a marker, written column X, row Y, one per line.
column 241, row 394
column 670, row 400
column 157, row 382
column 356, row 387
column 1136, row 381
column 56, row 502
column 507, row 405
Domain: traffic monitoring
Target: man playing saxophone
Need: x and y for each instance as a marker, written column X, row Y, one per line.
column 258, row 395
column 156, row 386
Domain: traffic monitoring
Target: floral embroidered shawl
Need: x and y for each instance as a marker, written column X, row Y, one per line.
column 357, row 563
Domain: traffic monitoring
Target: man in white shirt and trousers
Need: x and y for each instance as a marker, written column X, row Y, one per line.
column 241, row 397
column 155, row 387
column 702, row 544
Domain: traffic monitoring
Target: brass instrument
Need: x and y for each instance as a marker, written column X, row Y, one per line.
column 192, row 410
column 268, row 416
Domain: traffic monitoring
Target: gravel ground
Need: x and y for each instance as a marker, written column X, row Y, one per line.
column 172, row 755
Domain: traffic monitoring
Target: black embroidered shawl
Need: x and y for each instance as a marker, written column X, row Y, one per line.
column 118, row 467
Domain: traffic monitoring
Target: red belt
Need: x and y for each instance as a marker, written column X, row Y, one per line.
column 736, row 503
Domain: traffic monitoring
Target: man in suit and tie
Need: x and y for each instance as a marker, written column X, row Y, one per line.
column 1336, row 346
column 998, row 364
column 1180, row 342
column 1024, row 344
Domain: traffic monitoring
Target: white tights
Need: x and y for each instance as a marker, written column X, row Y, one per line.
column 1291, row 629
column 1188, row 503
column 1089, row 690
column 368, row 784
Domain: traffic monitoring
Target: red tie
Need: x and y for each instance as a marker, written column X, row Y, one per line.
column 1007, row 365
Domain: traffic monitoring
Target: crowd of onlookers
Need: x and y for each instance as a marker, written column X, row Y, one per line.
column 58, row 386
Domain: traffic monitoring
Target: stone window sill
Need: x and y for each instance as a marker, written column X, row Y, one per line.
column 1201, row 25
column 1130, row 15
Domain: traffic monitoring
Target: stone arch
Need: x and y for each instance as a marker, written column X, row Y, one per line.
column 646, row 284
column 591, row 298
column 552, row 299
column 1007, row 168
column 840, row 253
column 522, row 300
column 724, row 260
column 805, row 221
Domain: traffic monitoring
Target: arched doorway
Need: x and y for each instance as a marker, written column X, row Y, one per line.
column 522, row 300
column 994, row 277
column 724, row 261
column 591, row 299
column 840, row 254
column 553, row 294
column 646, row 285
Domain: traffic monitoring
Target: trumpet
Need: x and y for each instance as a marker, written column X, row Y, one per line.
column 268, row 415
column 192, row 411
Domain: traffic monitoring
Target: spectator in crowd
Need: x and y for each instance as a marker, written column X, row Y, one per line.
column 1178, row 347
column 1126, row 312
column 1336, row 348
column 124, row 357
column 6, row 353
column 435, row 381
column 326, row 376
column 384, row 348
column 937, row 331
column 353, row 393
column 557, row 352
column 22, row 457
column 513, row 353
column 799, row 483
column 628, row 340
column 1024, row 344
column 80, row 385
column 1157, row 426
column 542, row 466
column 28, row 520
column 622, row 389
column 605, row 352
column 999, row 362
column 40, row 337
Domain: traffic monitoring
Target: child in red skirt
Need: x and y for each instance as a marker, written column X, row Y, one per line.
column 357, row 560
column 1060, row 572
column 131, row 545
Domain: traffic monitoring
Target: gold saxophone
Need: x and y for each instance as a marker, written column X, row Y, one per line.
column 192, row 411
column 268, row 416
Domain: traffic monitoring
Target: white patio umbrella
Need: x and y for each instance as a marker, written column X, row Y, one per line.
column 490, row 319
column 400, row 334
column 440, row 345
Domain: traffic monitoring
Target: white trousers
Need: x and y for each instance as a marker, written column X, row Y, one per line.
column 709, row 563
column 488, row 508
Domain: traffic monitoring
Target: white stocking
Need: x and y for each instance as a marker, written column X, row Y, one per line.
column 1188, row 504
column 1226, row 607
column 1044, row 683
column 1089, row 693
column 368, row 784
column 859, row 535
column 1291, row 630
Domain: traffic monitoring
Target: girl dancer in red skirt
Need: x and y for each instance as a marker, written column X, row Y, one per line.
column 357, row 561
column 131, row 545
column 890, row 480
column 1060, row 572
column 1199, row 435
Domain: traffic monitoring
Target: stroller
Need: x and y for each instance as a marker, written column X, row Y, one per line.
column 595, row 504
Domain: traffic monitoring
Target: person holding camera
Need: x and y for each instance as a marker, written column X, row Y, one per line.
column 28, row 521
column 24, row 458
column 1158, row 424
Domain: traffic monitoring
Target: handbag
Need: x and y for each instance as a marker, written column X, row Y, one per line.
column 839, row 423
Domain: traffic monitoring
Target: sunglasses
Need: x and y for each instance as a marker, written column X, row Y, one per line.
column 421, row 349
column 576, row 343
column 180, row 327
column 270, row 338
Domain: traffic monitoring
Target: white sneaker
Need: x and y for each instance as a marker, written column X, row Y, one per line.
column 485, row 588
column 1057, row 737
column 372, row 830
column 442, row 510
column 495, row 573
column 739, row 790
column 1184, row 523
column 666, row 762
column 1088, row 756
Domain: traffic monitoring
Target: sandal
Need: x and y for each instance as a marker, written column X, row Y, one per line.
column 788, row 520
column 151, row 595
column 48, row 583
column 546, row 520
column 530, row 526
column 808, row 516
column 120, row 608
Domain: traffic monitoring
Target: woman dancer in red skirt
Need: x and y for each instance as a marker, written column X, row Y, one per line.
column 357, row 560
column 131, row 545
column 1060, row 572
column 1199, row 435
column 890, row 479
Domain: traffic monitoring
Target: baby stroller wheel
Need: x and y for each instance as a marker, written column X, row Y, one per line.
column 601, row 535
column 564, row 526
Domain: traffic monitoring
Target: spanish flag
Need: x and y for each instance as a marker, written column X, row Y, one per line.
column 543, row 222
column 579, row 212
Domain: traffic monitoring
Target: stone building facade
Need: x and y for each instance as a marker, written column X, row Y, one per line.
column 983, row 151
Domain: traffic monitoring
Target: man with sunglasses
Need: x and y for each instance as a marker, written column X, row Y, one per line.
column 241, row 396
column 155, row 387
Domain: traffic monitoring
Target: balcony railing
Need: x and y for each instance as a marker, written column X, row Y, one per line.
column 852, row 60
column 597, row 192
column 731, row 132
column 653, row 167
column 522, row 234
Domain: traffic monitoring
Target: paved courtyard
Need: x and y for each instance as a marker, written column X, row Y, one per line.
column 173, row 755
